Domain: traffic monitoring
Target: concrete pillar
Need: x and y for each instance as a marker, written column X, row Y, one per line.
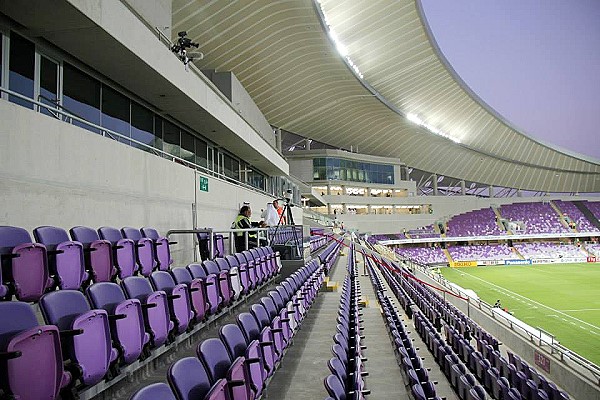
column 367, row 192
column 343, row 190
column 278, row 138
column 344, row 208
column 307, row 144
column 435, row 184
column 329, row 212
column 519, row 193
column 491, row 191
column 406, row 173
column 369, row 209
column 463, row 190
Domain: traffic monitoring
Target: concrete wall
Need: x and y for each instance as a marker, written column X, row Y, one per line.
column 231, row 87
column 156, row 12
column 566, row 374
column 52, row 173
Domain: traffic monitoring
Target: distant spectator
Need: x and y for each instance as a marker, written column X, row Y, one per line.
column 270, row 216
column 497, row 304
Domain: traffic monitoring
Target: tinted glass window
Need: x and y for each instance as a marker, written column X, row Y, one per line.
column 231, row 167
column 22, row 62
column 115, row 112
column 187, row 147
column 142, row 126
column 48, row 84
column 201, row 149
column 158, row 132
column 81, row 96
column 171, row 140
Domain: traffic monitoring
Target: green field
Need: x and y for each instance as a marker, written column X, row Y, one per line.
column 563, row 299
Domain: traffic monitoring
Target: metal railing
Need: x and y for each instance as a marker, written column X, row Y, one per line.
column 61, row 113
column 267, row 236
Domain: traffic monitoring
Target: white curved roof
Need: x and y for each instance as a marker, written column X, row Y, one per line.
column 282, row 54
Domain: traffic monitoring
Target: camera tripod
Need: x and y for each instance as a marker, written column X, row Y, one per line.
column 287, row 213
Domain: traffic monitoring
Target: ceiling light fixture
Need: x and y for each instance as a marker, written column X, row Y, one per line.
column 414, row 118
column 340, row 47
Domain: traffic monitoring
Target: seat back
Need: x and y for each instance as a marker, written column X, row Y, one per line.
column 144, row 250
column 128, row 330
column 211, row 284
column 248, row 326
column 157, row 317
column 232, row 337
column 92, row 349
column 161, row 246
column 223, row 280
column 335, row 388
column 198, row 295
column 98, row 257
column 37, row 354
column 25, row 264
column 188, row 379
column 181, row 307
column 154, row 391
column 215, row 358
column 124, row 250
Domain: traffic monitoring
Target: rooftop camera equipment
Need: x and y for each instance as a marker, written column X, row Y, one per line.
column 181, row 48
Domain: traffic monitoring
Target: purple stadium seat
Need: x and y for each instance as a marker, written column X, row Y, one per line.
column 250, row 269
column 25, row 264
column 233, row 338
column 88, row 343
column 259, row 329
column 3, row 287
column 155, row 391
column 234, row 276
column 477, row 392
column 198, row 294
column 65, row 257
column 211, row 283
column 215, row 358
column 162, row 248
column 144, row 250
column 335, row 388
column 98, row 253
column 225, row 286
column 178, row 296
column 126, row 317
column 188, row 379
column 218, row 391
column 31, row 363
column 260, row 269
column 155, row 305
column 123, row 251
column 242, row 272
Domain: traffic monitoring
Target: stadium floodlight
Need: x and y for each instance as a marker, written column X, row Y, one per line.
column 414, row 118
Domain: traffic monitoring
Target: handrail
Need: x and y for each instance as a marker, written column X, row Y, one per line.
column 59, row 109
column 271, row 230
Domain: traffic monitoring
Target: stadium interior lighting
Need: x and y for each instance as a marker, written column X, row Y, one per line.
column 414, row 118
column 340, row 47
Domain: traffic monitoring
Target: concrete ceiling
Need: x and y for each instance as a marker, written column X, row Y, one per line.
column 282, row 54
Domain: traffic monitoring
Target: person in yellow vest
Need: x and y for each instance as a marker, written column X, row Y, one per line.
column 242, row 221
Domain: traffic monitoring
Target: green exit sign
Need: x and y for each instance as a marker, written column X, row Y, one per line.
column 203, row 184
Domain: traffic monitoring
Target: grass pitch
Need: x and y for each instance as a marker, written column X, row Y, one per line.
column 563, row 299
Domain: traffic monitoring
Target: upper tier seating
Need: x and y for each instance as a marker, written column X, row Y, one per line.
column 594, row 207
column 426, row 232
column 482, row 252
column 537, row 218
column 570, row 210
column 474, row 223
column 423, row 255
column 549, row 250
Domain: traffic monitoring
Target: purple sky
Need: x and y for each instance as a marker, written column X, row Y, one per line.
column 536, row 62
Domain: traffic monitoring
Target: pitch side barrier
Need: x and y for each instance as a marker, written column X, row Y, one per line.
column 578, row 365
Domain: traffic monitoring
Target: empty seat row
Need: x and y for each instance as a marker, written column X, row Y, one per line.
column 116, row 325
column 240, row 362
column 483, row 368
column 58, row 260
column 414, row 372
column 347, row 366
column 329, row 256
